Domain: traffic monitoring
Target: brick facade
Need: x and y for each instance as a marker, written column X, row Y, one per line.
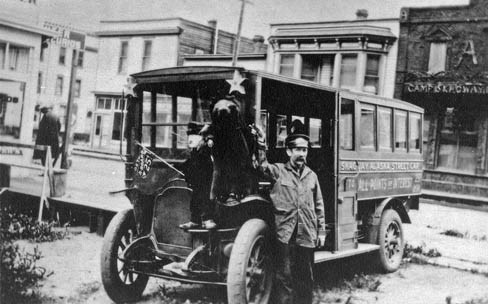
column 443, row 66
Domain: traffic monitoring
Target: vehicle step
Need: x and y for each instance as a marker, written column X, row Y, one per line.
column 323, row 256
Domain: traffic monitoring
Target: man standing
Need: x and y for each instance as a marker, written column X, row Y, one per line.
column 48, row 134
column 299, row 218
column 198, row 171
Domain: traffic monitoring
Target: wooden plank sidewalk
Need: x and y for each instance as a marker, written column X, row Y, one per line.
column 75, row 195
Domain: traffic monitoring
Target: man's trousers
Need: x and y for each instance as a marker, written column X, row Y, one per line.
column 294, row 276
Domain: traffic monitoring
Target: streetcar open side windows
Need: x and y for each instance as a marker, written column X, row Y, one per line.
column 367, row 127
column 379, row 128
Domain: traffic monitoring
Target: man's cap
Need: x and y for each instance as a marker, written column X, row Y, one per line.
column 45, row 105
column 194, row 128
column 298, row 136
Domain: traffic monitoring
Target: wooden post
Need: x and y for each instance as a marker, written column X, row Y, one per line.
column 48, row 178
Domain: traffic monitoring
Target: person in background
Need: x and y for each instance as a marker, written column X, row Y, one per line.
column 48, row 134
column 198, row 170
column 299, row 217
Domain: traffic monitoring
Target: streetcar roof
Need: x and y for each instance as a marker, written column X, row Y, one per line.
column 204, row 73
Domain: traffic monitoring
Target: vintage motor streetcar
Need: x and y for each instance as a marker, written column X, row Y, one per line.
column 365, row 149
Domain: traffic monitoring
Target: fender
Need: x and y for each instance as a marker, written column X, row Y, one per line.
column 255, row 197
column 392, row 203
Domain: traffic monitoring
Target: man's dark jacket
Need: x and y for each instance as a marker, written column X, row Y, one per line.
column 48, row 135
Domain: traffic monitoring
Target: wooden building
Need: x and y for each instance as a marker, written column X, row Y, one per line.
column 443, row 67
column 132, row 46
column 359, row 54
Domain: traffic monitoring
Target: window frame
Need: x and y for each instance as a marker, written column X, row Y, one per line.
column 365, row 105
column 81, row 58
column 419, row 132
column 58, row 88
column 123, row 57
column 287, row 65
column 352, row 136
column 3, row 46
column 146, row 58
column 39, row 82
column 438, row 52
column 355, row 65
column 383, row 109
column 62, row 55
column 77, row 88
column 371, row 76
column 398, row 112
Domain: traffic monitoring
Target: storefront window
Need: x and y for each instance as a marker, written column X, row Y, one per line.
column 458, row 141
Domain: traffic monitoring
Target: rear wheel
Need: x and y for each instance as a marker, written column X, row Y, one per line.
column 120, row 284
column 249, row 278
column 390, row 239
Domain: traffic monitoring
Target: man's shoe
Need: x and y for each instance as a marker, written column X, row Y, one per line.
column 232, row 200
column 189, row 225
column 209, row 224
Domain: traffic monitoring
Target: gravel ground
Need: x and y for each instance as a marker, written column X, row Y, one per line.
column 76, row 270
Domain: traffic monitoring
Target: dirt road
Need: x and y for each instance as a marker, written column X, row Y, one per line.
column 76, row 277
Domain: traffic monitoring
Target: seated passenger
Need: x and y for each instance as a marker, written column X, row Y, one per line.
column 198, row 173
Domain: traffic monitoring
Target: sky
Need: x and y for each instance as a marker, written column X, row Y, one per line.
column 258, row 14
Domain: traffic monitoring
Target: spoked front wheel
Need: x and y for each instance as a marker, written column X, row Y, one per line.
column 121, row 284
column 249, row 278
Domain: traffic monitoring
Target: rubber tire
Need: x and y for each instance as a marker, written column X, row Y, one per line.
column 116, row 289
column 239, row 258
column 388, row 217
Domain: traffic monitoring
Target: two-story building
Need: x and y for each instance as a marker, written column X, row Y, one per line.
column 130, row 46
column 443, row 67
column 358, row 54
column 55, row 72
column 20, row 45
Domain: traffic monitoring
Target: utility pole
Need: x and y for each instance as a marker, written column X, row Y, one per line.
column 238, row 35
column 69, row 107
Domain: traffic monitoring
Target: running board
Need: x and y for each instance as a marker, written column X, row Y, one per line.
column 324, row 256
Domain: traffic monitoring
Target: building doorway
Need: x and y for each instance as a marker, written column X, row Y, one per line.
column 101, row 131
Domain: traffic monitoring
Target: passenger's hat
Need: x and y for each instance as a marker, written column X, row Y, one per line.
column 298, row 136
column 194, row 128
column 45, row 105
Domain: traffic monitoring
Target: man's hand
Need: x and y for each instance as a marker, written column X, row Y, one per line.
column 321, row 238
column 258, row 132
